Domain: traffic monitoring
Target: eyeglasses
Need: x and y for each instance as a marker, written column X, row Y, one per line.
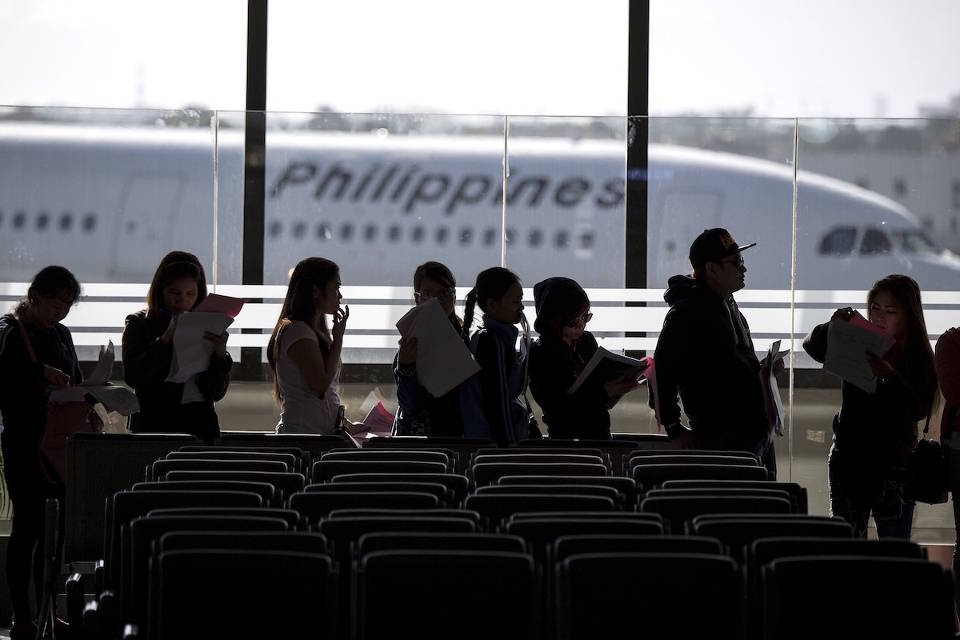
column 736, row 260
column 585, row 318
column 448, row 292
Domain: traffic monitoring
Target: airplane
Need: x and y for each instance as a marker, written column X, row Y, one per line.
column 110, row 202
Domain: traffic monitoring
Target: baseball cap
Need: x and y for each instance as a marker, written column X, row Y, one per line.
column 712, row 245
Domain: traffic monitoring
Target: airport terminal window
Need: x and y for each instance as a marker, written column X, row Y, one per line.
column 43, row 219
column 838, row 242
column 66, row 221
column 466, row 236
column 370, row 233
column 274, row 229
column 346, row 232
column 875, row 241
column 489, row 236
column 586, row 241
column 299, row 228
column 323, row 231
column 19, row 218
column 416, row 234
column 535, row 238
column 561, row 239
column 394, row 233
column 441, row 235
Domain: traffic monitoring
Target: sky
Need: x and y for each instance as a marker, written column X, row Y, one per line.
column 835, row 58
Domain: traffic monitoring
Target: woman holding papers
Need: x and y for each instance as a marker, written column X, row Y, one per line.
column 559, row 355
column 947, row 360
column 178, row 286
column 36, row 355
column 875, row 432
column 304, row 353
column 492, row 401
column 421, row 414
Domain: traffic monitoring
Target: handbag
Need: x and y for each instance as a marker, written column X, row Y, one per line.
column 926, row 473
column 63, row 420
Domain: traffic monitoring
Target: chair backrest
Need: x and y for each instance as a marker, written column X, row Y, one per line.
column 301, row 541
column 541, row 533
column 438, row 594
column 494, row 507
column 590, row 515
column 553, row 489
column 485, row 473
column 688, row 453
column 462, row 447
column 680, row 595
column 538, row 458
column 270, row 594
column 653, row 475
column 798, row 493
column 570, row 545
column 325, row 470
column 543, row 449
column 291, row 517
column 677, row 510
column 127, row 505
column 626, row 486
column 871, row 598
column 673, row 458
column 291, row 461
column 138, row 539
column 433, row 488
column 314, row 506
column 735, row 532
column 396, row 541
column 746, row 492
column 284, row 483
column 312, row 444
column 262, row 489
column 392, row 455
column 302, row 456
column 160, row 468
column 456, row 514
column 455, row 483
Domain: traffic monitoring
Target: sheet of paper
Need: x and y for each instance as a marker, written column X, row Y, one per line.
column 771, row 391
column 102, row 372
column 191, row 350
column 443, row 360
column 650, row 373
column 847, row 348
column 215, row 303
column 113, row 398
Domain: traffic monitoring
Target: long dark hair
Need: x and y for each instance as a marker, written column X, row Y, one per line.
column 48, row 283
column 560, row 300
column 918, row 362
column 492, row 284
column 298, row 304
column 174, row 266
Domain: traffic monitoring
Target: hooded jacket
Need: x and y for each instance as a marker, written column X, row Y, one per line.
column 715, row 371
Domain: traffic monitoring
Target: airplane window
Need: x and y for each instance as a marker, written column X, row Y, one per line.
column 561, row 239
column 323, row 231
column 275, row 228
column 43, row 219
column 489, row 236
column 535, row 238
column 416, row 234
column 299, row 228
column 441, row 235
column 89, row 223
column 914, row 242
column 838, row 242
column 66, row 221
column 511, row 235
column 370, row 233
column 346, row 232
column 466, row 236
column 394, row 233
column 586, row 241
column 874, row 242
column 19, row 218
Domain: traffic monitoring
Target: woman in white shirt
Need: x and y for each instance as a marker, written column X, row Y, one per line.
column 304, row 354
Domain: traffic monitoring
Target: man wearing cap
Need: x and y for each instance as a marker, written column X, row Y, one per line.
column 705, row 354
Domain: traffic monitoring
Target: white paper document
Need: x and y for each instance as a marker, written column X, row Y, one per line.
column 191, row 350
column 847, row 349
column 771, row 391
column 104, row 369
column 113, row 398
column 443, row 360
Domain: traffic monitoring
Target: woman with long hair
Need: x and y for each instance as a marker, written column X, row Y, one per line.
column 36, row 355
column 304, row 353
column 874, row 433
column 421, row 413
column 178, row 286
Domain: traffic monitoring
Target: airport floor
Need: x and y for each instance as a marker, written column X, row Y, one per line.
column 801, row 453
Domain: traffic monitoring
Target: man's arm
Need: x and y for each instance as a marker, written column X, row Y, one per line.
column 671, row 356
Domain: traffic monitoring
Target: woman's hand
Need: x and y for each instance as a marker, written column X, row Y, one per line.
column 340, row 322
column 54, row 377
column 844, row 313
column 880, row 367
column 219, row 342
column 167, row 336
column 408, row 352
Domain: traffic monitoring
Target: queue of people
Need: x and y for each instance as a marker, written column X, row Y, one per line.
column 705, row 359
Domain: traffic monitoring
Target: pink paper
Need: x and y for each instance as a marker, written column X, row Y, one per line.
column 858, row 320
column 216, row 303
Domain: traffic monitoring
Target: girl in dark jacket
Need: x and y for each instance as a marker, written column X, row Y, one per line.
column 874, row 433
column 25, row 383
column 492, row 401
column 420, row 413
column 178, row 285
column 557, row 358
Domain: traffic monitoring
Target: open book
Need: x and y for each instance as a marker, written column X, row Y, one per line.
column 605, row 366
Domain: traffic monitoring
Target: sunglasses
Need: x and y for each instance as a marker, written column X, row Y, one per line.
column 585, row 318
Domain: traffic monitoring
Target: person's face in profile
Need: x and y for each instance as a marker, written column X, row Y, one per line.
column 727, row 274
column 49, row 310
column 573, row 329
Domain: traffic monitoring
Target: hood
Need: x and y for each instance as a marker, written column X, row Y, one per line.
column 682, row 287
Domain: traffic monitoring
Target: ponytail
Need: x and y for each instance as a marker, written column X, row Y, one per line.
column 470, row 303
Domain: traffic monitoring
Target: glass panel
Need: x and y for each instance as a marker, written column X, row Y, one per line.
column 874, row 198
